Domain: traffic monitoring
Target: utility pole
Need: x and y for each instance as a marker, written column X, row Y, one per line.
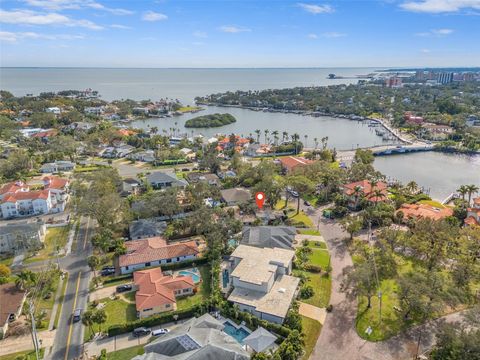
column 34, row 330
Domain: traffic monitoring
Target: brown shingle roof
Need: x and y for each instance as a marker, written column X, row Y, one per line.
column 10, row 300
column 153, row 249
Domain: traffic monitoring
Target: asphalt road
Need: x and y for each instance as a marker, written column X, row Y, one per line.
column 68, row 342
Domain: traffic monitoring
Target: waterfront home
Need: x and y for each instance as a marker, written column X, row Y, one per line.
column 155, row 251
column 22, row 236
column 473, row 213
column 411, row 119
column 435, row 132
column 11, row 304
column 94, row 110
column 425, row 211
column 290, row 163
column 261, row 281
column 198, row 338
column 146, row 228
column 235, row 196
column 57, row 166
column 161, row 180
column 157, row 293
column 365, row 189
column 269, row 236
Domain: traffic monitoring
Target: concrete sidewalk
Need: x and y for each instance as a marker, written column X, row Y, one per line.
column 15, row 344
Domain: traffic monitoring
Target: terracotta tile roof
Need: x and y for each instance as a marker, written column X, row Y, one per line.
column 291, row 162
column 471, row 221
column 10, row 300
column 156, row 248
column 12, row 187
column 55, row 182
column 46, row 133
column 367, row 189
column 27, row 195
column 156, row 289
column 424, row 211
column 476, row 201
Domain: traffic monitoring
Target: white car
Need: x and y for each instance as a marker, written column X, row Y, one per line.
column 159, row 332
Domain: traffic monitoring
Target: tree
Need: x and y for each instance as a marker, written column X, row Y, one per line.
column 454, row 342
column 87, row 319
column 302, row 185
column 5, row 273
column 361, row 281
column 412, row 187
column 25, row 280
column 93, row 262
column 472, row 189
column 99, row 317
column 462, row 190
column 352, row 225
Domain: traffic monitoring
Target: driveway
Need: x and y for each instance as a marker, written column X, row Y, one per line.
column 103, row 293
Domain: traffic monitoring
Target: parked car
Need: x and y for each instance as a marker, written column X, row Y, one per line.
column 306, row 203
column 293, row 193
column 141, row 331
column 124, row 287
column 110, row 267
column 107, row 272
column 159, row 332
column 77, row 315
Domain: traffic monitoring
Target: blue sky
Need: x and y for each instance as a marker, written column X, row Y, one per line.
column 164, row 33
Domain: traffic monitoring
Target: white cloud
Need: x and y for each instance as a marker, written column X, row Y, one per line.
column 440, row 6
column 435, row 32
column 200, row 34
column 28, row 17
column 312, row 36
column 118, row 26
column 14, row 37
column 153, row 16
column 57, row 5
column 333, row 34
column 425, row 51
column 316, row 9
column 233, row 29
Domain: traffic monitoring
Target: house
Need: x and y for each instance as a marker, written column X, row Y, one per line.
column 261, row 281
column 11, row 304
column 145, row 156
column 54, row 110
column 412, row 119
column 199, row 338
column 22, row 236
column 473, row 213
column 196, row 177
column 425, row 211
column 94, row 110
column 58, row 187
column 290, row 163
column 46, row 134
column 130, row 186
column 472, row 121
column 161, row 180
column 269, row 236
column 157, row 293
column 57, row 166
column 235, row 196
column 155, row 251
column 146, row 228
column 364, row 189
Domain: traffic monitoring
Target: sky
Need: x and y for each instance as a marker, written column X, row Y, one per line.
column 229, row 33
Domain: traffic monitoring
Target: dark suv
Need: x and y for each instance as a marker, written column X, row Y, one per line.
column 141, row 331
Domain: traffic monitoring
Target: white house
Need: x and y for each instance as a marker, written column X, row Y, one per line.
column 54, row 110
column 26, row 203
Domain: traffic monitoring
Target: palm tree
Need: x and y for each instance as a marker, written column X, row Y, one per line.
column 376, row 194
column 87, row 320
column 284, row 136
column 324, row 141
column 25, row 279
column 357, row 192
column 153, row 130
column 306, row 137
column 275, row 136
column 462, row 190
column 471, row 189
column 315, row 140
column 266, row 131
column 93, row 262
column 258, row 135
column 412, row 187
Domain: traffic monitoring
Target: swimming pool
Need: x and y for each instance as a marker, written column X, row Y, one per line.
column 237, row 333
column 191, row 272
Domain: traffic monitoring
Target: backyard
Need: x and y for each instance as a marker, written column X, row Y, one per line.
column 55, row 239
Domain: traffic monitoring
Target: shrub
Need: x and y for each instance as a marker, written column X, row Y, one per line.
column 306, row 292
column 312, row 268
column 329, row 308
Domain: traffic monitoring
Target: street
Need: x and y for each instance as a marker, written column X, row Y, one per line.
column 68, row 342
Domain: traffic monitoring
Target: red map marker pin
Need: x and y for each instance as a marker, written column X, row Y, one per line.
column 260, row 199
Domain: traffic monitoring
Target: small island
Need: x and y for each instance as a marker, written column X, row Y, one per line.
column 208, row 121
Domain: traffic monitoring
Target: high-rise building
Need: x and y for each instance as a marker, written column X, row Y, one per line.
column 445, row 77
column 393, row 81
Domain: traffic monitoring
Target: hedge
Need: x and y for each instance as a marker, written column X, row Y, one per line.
column 184, row 264
column 116, row 278
column 312, row 268
column 158, row 319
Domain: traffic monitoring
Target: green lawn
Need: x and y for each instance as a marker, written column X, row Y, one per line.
column 56, row 238
column 311, row 330
column 188, row 108
column 126, row 354
column 301, row 218
column 317, row 245
column 310, row 232
column 46, row 305
column 24, row 355
column 322, row 286
column 319, row 257
column 118, row 312
column 432, row 203
column 6, row 261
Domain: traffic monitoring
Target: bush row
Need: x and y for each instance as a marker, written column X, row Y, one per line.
column 195, row 310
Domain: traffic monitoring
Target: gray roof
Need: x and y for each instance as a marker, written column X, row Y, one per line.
column 260, row 339
column 161, row 177
column 199, row 338
column 210, row 178
column 20, row 228
column 269, row 236
column 145, row 228
column 237, row 195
